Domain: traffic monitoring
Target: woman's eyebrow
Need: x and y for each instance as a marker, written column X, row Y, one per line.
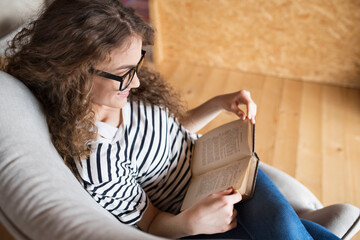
column 125, row 66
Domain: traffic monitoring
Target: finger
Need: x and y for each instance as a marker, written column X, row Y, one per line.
column 251, row 117
column 226, row 191
column 244, row 94
column 233, row 223
column 251, row 110
column 253, row 120
column 234, row 214
column 234, row 197
column 240, row 113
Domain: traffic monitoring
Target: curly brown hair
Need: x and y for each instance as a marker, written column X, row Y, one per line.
column 54, row 56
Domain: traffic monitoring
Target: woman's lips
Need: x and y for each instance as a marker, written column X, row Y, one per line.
column 123, row 94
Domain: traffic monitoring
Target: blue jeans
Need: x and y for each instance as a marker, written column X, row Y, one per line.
column 268, row 215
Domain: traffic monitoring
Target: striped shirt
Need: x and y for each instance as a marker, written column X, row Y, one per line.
column 146, row 158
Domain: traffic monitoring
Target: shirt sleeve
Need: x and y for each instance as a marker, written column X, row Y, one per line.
column 173, row 121
column 117, row 191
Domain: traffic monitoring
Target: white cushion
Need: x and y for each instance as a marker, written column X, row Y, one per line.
column 341, row 219
column 299, row 197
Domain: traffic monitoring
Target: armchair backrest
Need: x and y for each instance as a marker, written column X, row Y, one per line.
column 38, row 194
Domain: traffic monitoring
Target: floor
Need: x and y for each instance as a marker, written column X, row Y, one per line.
column 310, row 131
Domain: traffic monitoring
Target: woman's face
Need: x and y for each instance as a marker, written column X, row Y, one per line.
column 105, row 92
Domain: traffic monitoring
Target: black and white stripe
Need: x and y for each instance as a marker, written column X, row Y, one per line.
column 147, row 157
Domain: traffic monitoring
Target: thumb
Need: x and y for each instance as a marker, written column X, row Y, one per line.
column 234, row 197
column 240, row 113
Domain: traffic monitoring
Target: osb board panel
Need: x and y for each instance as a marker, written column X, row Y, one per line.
column 310, row 40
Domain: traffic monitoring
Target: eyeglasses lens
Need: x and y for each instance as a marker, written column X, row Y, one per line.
column 127, row 79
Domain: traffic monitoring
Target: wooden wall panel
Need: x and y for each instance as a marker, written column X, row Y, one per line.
column 309, row 40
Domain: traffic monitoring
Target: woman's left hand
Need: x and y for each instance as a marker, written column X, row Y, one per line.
column 232, row 101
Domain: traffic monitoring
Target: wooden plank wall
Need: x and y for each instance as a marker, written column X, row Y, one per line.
column 309, row 40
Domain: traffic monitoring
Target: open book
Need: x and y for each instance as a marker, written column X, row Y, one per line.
column 223, row 157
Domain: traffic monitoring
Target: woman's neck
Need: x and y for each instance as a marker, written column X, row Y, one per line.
column 111, row 116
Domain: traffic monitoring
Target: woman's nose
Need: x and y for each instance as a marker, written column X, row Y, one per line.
column 135, row 83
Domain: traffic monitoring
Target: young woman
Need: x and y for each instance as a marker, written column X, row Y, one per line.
column 124, row 133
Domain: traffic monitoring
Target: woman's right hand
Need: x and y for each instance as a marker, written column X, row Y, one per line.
column 213, row 214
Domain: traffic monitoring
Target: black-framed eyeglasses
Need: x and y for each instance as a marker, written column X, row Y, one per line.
column 125, row 79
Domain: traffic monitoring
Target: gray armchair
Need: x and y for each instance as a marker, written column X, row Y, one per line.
column 41, row 199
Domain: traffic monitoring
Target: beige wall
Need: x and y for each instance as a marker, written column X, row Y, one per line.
column 312, row 40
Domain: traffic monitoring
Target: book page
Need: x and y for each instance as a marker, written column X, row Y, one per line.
column 222, row 146
column 215, row 181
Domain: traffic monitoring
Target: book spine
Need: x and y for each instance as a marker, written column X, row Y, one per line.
column 253, row 142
